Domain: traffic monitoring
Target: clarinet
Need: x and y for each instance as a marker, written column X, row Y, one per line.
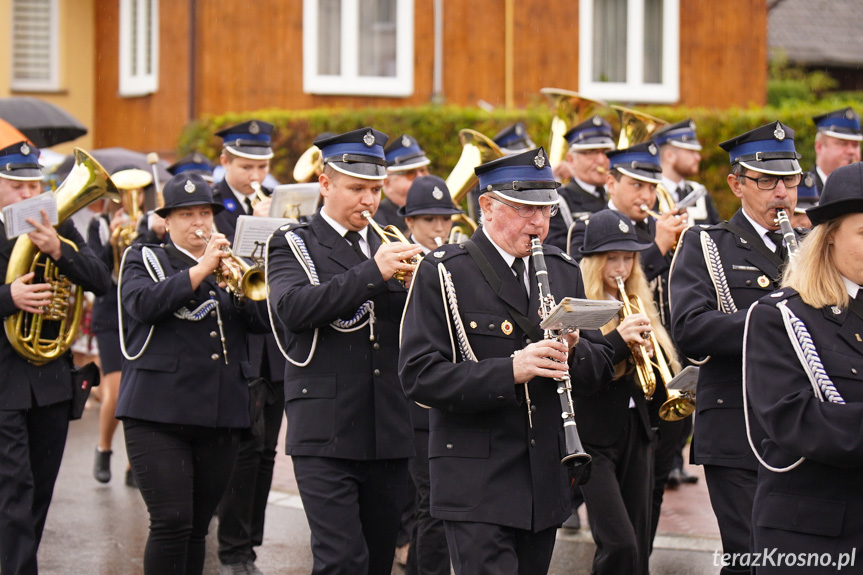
column 575, row 454
column 787, row 233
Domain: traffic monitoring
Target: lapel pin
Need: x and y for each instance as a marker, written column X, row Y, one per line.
column 763, row 281
column 506, row 327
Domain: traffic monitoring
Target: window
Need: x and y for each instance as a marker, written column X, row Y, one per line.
column 139, row 47
column 34, row 46
column 629, row 50
column 358, row 47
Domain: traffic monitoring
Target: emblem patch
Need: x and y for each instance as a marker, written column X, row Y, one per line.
column 597, row 121
column 437, row 193
column 439, row 255
column 369, row 139
column 473, row 325
column 836, row 310
column 652, row 149
column 779, row 133
column 406, row 142
column 539, row 160
column 622, row 226
column 763, row 281
column 189, row 187
column 519, row 130
column 506, row 327
column 849, row 114
column 25, row 149
column 254, row 128
column 808, row 180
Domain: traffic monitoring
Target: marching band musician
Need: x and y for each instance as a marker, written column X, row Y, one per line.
column 332, row 290
column 837, row 143
column 496, row 476
column 718, row 273
column 614, row 422
column 184, row 395
column 406, row 161
column 428, row 212
column 246, row 153
column 801, row 359
column 34, row 400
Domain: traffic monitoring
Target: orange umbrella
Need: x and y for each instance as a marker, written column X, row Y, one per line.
column 9, row 134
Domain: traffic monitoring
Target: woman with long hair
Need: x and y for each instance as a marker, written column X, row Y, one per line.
column 803, row 383
column 614, row 423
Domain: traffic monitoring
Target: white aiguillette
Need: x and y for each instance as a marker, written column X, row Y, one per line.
column 15, row 215
column 572, row 313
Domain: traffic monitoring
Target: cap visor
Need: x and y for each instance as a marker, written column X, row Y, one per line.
column 415, row 163
column 162, row 212
column 360, row 170
column 696, row 145
column 616, row 246
column 593, row 144
column 251, row 152
column 24, row 175
column 774, row 167
column 843, row 135
column 434, row 211
column 544, row 197
column 649, row 177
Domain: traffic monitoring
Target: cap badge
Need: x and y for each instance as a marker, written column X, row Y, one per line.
column 779, row 133
column 439, row 254
column 691, row 125
column 622, row 226
column 406, row 142
column 808, row 180
column 763, row 281
column 369, row 139
column 254, row 128
column 506, row 327
column 849, row 114
column 437, row 193
column 652, row 149
column 836, row 310
column 189, row 187
column 519, row 130
column 197, row 158
column 596, row 121
column 25, row 149
column 539, row 161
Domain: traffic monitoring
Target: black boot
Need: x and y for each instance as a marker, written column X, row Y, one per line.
column 130, row 479
column 102, row 466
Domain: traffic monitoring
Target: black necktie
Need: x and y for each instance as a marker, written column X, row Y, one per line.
column 249, row 208
column 354, row 238
column 683, row 191
column 600, row 190
column 776, row 238
column 518, row 268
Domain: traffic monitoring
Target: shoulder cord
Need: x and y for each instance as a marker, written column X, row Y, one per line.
column 450, row 303
column 717, row 274
column 157, row 274
column 804, row 347
column 300, row 251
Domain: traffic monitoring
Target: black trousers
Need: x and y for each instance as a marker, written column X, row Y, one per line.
column 31, row 449
column 487, row 549
column 244, row 504
column 428, row 554
column 663, row 462
column 732, row 492
column 618, row 500
column 182, row 472
column 353, row 509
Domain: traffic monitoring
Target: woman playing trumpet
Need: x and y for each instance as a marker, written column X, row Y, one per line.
column 614, row 423
column 184, row 396
column 428, row 212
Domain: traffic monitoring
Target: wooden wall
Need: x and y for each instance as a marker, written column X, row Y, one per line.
column 248, row 56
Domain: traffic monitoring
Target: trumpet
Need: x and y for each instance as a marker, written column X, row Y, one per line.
column 259, row 194
column 243, row 279
column 392, row 234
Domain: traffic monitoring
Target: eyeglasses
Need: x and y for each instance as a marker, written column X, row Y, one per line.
column 770, row 182
column 525, row 211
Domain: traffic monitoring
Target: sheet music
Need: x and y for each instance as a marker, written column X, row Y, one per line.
column 251, row 230
column 295, row 200
column 15, row 215
column 574, row 313
column 686, row 380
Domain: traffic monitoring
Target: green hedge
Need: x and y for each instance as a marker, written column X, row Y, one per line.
column 436, row 128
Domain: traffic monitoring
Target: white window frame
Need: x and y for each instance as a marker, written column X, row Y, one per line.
column 52, row 84
column 634, row 89
column 139, row 84
column 349, row 82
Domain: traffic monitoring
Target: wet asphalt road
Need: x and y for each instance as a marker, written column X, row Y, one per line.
column 96, row 529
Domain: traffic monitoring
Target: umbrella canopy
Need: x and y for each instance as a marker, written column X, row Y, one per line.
column 9, row 134
column 43, row 123
column 114, row 159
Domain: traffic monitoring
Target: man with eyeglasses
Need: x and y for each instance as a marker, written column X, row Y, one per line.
column 719, row 272
column 472, row 350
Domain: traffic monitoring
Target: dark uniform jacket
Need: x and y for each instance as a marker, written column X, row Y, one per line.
column 25, row 384
column 816, row 507
column 701, row 329
column 182, row 376
column 581, row 204
column 347, row 402
column 104, row 315
column 387, row 214
column 486, row 464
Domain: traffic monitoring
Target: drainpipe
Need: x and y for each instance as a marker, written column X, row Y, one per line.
column 509, row 40
column 437, row 66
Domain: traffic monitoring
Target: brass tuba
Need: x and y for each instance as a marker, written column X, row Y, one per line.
column 86, row 183
column 571, row 108
column 477, row 149
column 635, row 127
column 309, row 166
column 131, row 184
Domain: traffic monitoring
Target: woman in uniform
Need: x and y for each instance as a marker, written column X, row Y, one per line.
column 803, row 382
column 428, row 212
column 614, row 423
column 184, row 394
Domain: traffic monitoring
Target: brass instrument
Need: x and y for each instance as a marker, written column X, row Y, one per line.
column 86, row 183
column 635, row 127
column 571, row 108
column 575, row 454
column 679, row 404
column 244, row 280
column 153, row 160
column 392, row 234
column 477, row 149
column 131, row 184
column 309, row 166
column 259, row 195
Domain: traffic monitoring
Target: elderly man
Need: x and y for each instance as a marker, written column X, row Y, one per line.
column 837, row 143
column 719, row 272
column 472, row 350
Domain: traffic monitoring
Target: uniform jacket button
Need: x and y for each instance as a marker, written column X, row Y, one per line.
column 376, row 346
column 305, row 391
column 491, row 326
column 720, row 401
column 533, row 409
column 533, row 443
column 854, row 370
column 212, row 314
column 212, row 293
column 370, row 286
column 749, row 282
column 528, row 341
column 214, row 357
column 377, row 372
column 449, row 445
column 214, row 334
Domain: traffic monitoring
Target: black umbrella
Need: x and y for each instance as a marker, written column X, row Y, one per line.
column 43, row 123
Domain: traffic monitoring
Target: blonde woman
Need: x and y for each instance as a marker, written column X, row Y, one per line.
column 614, row 423
column 803, row 381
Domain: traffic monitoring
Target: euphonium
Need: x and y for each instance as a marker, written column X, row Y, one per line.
column 86, row 183
column 391, row 234
column 476, row 149
column 635, row 127
column 571, row 108
column 575, row 454
column 242, row 279
column 131, row 184
column 309, row 166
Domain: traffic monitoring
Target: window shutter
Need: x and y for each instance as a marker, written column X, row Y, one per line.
column 34, row 45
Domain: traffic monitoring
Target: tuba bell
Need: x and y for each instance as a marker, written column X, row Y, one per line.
column 309, row 166
column 571, row 108
column 477, row 149
column 635, row 126
column 86, row 183
column 130, row 184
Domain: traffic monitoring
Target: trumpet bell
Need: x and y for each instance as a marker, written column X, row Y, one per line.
column 254, row 283
column 678, row 406
column 571, row 108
